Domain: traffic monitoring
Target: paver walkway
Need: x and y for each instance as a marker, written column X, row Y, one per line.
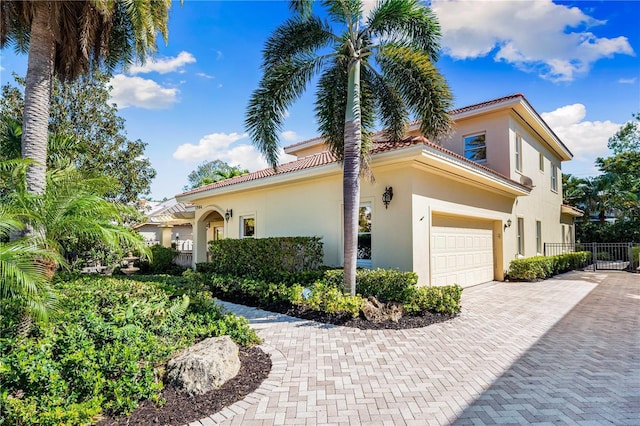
column 562, row 351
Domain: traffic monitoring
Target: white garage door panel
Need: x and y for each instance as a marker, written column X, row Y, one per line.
column 462, row 256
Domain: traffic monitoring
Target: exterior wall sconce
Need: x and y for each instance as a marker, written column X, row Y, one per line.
column 387, row 196
column 507, row 225
column 228, row 214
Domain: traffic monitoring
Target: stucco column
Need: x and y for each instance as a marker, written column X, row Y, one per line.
column 165, row 235
column 199, row 242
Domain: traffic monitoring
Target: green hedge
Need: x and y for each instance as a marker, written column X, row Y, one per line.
column 106, row 348
column 635, row 252
column 161, row 262
column 542, row 267
column 264, row 258
column 327, row 294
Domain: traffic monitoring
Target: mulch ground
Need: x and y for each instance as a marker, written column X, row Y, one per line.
column 180, row 408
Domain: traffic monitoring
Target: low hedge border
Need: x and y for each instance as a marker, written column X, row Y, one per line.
column 542, row 267
column 327, row 293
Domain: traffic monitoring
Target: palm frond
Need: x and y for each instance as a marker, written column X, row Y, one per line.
column 406, row 22
column 296, row 36
column 421, row 86
column 390, row 106
column 281, row 85
column 301, row 7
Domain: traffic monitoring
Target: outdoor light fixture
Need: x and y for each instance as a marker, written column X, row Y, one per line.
column 228, row 214
column 387, row 196
column 507, row 225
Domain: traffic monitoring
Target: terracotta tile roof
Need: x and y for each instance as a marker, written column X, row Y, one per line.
column 325, row 157
column 308, row 162
column 486, row 103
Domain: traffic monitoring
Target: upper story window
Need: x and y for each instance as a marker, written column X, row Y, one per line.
column 520, row 236
column 554, row 178
column 518, row 153
column 247, row 227
column 541, row 162
column 475, row 148
column 364, row 235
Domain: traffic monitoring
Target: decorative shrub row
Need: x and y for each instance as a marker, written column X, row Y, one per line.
column 106, row 349
column 327, row 294
column 265, row 258
column 542, row 267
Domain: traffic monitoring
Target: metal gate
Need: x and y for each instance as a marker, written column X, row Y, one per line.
column 604, row 256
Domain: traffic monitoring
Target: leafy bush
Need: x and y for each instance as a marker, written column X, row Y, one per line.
column 386, row 285
column 327, row 298
column 106, row 349
column 542, row 267
column 161, row 262
column 444, row 300
column 264, row 258
column 635, row 253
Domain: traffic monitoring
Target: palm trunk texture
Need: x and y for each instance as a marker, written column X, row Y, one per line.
column 351, row 177
column 37, row 95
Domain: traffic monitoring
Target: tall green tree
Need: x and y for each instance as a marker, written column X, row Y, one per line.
column 375, row 66
column 212, row 171
column 81, row 113
column 65, row 39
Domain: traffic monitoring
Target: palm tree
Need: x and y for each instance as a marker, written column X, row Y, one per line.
column 74, row 210
column 69, row 38
column 376, row 66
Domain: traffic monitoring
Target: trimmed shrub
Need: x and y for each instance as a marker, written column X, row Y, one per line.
column 443, row 300
column 386, row 285
column 542, row 267
column 327, row 298
column 271, row 259
column 161, row 262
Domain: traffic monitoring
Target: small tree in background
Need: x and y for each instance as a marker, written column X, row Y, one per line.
column 212, row 171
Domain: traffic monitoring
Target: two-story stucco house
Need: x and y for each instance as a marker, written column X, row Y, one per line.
column 459, row 211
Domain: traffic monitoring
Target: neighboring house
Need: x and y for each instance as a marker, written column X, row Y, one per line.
column 167, row 222
column 459, row 211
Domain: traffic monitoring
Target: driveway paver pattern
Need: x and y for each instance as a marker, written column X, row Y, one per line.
column 561, row 351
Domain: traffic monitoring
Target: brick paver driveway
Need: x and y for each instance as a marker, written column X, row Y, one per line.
column 562, row 351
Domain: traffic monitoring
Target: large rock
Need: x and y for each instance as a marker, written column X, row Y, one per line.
column 205, row 366
column 376, row 311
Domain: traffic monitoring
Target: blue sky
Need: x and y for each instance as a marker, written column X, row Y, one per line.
column 575, row 61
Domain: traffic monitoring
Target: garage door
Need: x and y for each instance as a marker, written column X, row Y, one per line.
column 461, row 255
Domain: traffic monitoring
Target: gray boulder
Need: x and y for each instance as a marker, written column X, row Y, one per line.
column 205, row 366
column 376, row 311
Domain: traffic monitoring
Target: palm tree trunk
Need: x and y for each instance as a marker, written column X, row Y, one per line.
column 37, row 95
column 351, row 177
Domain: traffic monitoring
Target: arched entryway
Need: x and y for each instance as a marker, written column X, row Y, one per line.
column 210, row 226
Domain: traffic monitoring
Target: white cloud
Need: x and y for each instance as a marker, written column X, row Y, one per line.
column 205, row 75
column 223, row 146
column 534, row 35
column 219, row 55
column 289, row 135
column 585, row 139
column 164, row 65
column 139, row 92
column 627, row 80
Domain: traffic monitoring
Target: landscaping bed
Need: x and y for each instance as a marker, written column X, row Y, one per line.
column 181, row 408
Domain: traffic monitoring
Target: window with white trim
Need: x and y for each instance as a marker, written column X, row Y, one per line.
column 518, row 153
column 475, row 148
column 539, row 237
column 541, row 162
column 364, row 235
column 554, row 178
column 521, row 236
column 247, row 227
